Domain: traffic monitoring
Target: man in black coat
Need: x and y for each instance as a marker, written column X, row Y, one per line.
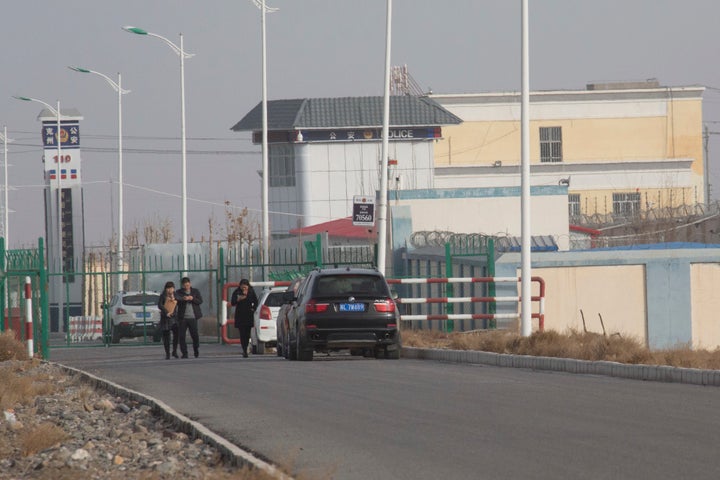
column 188, row 314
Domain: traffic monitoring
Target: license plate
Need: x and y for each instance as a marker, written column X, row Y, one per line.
column 143, row 314
column 352, row 307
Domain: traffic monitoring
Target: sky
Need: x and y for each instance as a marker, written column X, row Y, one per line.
column 315, row 48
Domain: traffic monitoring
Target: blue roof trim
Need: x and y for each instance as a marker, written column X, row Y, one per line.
column 480, row 192
column 656, row 246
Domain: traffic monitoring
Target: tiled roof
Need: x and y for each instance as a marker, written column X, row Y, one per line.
column 341, row 227
column 347, row 112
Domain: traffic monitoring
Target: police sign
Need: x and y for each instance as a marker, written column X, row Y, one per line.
column 363, row 210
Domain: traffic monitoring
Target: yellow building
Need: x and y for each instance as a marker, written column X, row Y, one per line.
column 621, row 148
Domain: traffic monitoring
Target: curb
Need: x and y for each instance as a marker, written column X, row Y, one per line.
column 651, row 373
column 235, row 455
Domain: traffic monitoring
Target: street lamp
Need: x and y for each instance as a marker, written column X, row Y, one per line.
column 56, row 112
column 118, row 88
column 382, row 201
column 183, row 55
column 6, row 218
column 265, row 176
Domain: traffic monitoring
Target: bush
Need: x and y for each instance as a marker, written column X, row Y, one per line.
column 11, row 348
column 572, row 344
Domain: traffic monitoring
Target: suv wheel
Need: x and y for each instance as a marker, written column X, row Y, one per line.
column 393, row 354
column 260, row 348
column 289, row 349
column 114, row 334
column 302, row 355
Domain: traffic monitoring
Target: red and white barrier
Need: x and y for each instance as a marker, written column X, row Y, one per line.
column 85, row 328
column 28, row 318
column 485, row 316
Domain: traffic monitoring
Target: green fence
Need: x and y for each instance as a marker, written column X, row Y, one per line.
column 72, row 309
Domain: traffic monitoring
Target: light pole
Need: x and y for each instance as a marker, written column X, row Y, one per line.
column 118, row 88
column 183, row 55
column 6, row 218
column 265, row 170
column 382, row 201
column 58, row 136
column 525, row 231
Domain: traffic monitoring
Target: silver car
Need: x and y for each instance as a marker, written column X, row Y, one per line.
column 134, row 314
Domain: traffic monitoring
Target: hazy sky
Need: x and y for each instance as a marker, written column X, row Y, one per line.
column 316, row 48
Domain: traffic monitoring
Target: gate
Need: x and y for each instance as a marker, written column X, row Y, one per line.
column 15, row 267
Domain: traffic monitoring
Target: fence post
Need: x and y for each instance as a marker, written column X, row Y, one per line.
column 449, row 291
column 28, row 318
column 45, row 308
column 4, row 319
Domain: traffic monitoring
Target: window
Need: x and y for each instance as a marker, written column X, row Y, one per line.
column 626, row 203
column 550, row 144
column 574, row 204
column 281, row 163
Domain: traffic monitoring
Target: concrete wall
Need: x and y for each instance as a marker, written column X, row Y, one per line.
column 705, row 304
column 664, row 297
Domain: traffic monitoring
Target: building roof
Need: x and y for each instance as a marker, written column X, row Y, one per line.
column 341, row 227
column 346, row 112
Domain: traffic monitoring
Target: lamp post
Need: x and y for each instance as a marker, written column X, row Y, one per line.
column 265, row 170
column 382, row 202
column 6, row 209
column 525, row 231
column 118, row 88
column 56, row 112
column 179, row 50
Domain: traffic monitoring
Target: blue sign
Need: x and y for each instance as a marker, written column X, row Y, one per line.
column 69, row 134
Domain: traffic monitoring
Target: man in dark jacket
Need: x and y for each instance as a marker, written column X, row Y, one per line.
column 245, row 302
column 189, row 314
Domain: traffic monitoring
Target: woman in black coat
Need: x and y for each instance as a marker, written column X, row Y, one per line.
column 245, row 302
column 168, row 305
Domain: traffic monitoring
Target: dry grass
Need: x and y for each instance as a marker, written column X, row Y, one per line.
column 572, row 344
column 38, row 438
column 10, row 348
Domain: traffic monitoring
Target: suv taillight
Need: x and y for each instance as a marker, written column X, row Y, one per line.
column 120, row 311
column 313, row 307
column 265, row 313
column 386, row 306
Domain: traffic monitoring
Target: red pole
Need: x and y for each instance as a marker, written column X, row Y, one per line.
column 28, row 318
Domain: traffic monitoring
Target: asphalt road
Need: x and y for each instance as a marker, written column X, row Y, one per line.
column 345, row 417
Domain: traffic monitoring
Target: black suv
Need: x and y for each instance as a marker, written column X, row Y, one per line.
column 342, row 308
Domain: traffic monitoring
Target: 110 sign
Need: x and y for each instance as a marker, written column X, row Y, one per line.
column 63, row 158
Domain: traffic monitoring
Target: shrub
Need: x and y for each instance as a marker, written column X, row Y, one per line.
column 11, row 348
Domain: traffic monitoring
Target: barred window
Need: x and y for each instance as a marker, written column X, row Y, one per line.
column 281, row 163
column 574, row 204
column 626, row 203
column 550, row 144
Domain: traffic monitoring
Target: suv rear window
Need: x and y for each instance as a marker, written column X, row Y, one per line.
column 137, row 300
column 356, row 285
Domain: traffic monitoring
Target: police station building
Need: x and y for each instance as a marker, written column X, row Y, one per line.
column 322, row 152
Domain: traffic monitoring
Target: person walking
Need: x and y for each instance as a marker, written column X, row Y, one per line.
column 168, row 305
column 245, row 302
column 189, row 313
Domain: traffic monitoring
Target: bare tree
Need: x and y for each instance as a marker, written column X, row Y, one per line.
column 238, row 225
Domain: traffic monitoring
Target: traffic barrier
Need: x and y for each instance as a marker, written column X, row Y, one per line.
column 84, row 328
column 225, row 304
column 540, row 315
column 28, row 318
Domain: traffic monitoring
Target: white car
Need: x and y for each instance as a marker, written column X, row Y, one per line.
column 264, row 332
column 134, row 314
